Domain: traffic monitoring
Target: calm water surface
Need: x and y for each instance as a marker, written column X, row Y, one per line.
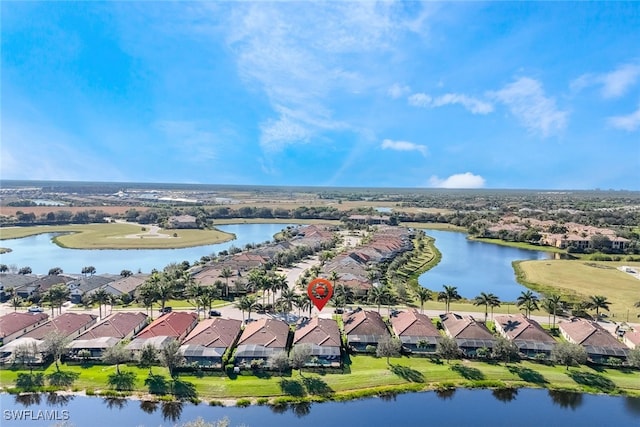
column 41, row 254
column 525, row 407
column 476, row 267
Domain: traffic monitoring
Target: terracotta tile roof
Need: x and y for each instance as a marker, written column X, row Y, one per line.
column 216, row 332
column 465, row 327
column 174, row 324
column 117, row 325
column 633, row 337
column 67, row 324
column 13, row 322
column 364, row 322
column 413, row 324
column 518, row 327
column 587, row 333
column 270, row 333
column 318, row 331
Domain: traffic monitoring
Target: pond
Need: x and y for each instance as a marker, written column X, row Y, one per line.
column 475, row 267
column 41, row 254
column 521, row 407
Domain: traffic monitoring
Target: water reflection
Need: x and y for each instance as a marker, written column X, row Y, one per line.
column 301, row 409
column 632, row 404
column 28, row 399
column 446, row 393
column 149, row 406
column 389, row 396
column 171, row 411
column 566, row 399
column 55, row 399
column 115, row 402
column 279, row 408
column 506, row 394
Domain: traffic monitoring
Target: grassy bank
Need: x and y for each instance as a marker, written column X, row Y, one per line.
column 424, row 259
column 119, row 236
column 578, row 280
column 521, row 245
column 433, row 226
column 366, row 375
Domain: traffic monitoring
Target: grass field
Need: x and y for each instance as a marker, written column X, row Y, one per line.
column 364, row 372
column 114, row 236
column 581, row 279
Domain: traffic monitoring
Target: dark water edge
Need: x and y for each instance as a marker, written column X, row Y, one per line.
column 461, row 407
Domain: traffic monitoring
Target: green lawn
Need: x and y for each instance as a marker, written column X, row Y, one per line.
column 114, row 236
column 366, row 372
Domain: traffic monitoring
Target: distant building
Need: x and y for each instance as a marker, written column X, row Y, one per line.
column 182, row 221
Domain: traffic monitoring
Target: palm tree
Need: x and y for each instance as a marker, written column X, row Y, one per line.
column 484, row 299
column 226, row 273
column 597, row 302
column 16, row 301
column 57, row 295
column 424, row 294
column 287, row 298
column 449, row 294
column 101, row 297
column 194, row 292
column 246, row 303
column 165, row 291
column 148, row 295
column 379, row 295
column 552, row 303
column 529, row 301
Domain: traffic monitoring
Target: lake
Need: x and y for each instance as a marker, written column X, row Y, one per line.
column 475, row 267
column 522, row 408
column 41, row 254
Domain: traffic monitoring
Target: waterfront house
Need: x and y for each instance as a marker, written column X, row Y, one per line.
column 363, row 328
column 261, row 339
column 416, row 331
column 323, row 336
column 182, row 221
column 70, row 325
column 115, row 328
column 209, row 340
column 526, row 333
column 16, row 324
column 598, row 342
column 171, row 326
column 468, row 333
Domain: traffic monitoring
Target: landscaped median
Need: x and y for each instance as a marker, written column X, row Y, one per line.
column 363, row 376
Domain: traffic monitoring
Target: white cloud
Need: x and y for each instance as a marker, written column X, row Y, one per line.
column 398, row 91
column 473, row 105
column 526, row 100
column 629, row 122
column 460, row 180
column 297, row 54
column 420, row 100
column 388, row 144
column 614, row 84
column 192, row 138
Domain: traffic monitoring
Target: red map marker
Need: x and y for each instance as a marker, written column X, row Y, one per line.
column 320, row 292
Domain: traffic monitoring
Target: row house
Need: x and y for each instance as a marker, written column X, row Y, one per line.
column 416, row 332
column 260, row 340
column 86, row 285
column 597, row 341
column 14, row 325
column 470, row 334
column 209, row 340
column 526, row 333
column 109, row 332
column 323, row 336
column 168, row 327
column 363, row 328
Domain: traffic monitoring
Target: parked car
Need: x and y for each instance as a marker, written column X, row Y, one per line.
column 35, row 309
column 166, row 310
column 214, row 313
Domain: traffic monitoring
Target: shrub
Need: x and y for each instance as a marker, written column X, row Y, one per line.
column 243, row 403
column 262, row 401
column 215, row 403
column 30, row 382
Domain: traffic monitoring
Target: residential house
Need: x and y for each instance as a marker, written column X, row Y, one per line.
column 171, row 326
column 86, row 285
column 125, row 285
column 20, row 283
column 209, row 340
column 416, row 331
column 363, row 328
column 182, row 221
column 323, row 336
column 8, row 351
column 632, row 339
column 598, row 342
column 260, row 340
column 68, row 324
column 526, row 333
column 16, row 324
column 468, row 333
column 115, row 328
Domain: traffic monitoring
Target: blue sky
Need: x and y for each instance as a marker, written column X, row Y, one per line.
column 538, row 95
